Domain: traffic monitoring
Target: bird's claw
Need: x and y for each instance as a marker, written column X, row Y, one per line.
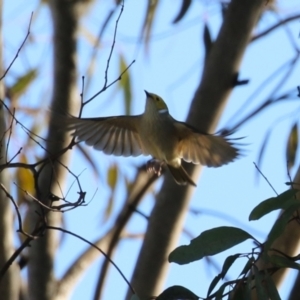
column 155, row 166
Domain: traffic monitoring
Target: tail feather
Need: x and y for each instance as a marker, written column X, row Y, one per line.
column 181, row 176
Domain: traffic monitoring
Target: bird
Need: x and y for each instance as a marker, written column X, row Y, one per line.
column 155, row 133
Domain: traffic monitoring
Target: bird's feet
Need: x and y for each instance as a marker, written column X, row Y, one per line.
column 155, row 166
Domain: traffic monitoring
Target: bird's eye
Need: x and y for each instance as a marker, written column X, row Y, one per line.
column 157, row 99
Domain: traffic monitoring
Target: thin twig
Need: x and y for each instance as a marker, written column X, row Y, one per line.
column 19, row 50
column 265, row 178
column 105, row 85
column 113, row 44
column 133, row 199
column 8, row 195
column 113, row 82
column 265, row 32
column 94, row 246
column 9, row 135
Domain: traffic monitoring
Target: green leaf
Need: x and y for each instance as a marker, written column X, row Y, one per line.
column 22, row 83
column 125, row 85
column 209, row 242
column 226, row 266
column 176, row 292
column 280, row 225
column 220, row 292
column 213, row 284
column 292, row 146
column 265, row 287
column 260, row 290
column 242, row 291
column 228, row 263
column 283, row 262
column 282, row 201
column 183, row 10
column 247, row 266
column 271, row 287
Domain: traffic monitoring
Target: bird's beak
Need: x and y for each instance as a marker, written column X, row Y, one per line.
column 147, row 94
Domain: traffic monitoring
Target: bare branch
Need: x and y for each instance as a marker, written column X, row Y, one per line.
column 267, row 180
column 19, row 50
column 142, row 183
column 278, row 25
column 105, row 85
column 94, row 246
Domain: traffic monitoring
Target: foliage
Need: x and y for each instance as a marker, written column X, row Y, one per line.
column 219, row 239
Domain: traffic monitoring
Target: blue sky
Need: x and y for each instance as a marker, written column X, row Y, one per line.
column 170, row 67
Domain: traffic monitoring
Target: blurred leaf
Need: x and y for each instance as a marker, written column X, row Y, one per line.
column 112, row 176
column 185, row 4
column 292, row 146
column 283, row 262
column 86, row 154
column 125, row 85
column 176, row 292
column 207, row 40
column 209, row 242
column 25, row 180
column 282, row 201
column 22, row 83
column 108, row 208
column 280, row 225
column 112, row 179
column 148, row 22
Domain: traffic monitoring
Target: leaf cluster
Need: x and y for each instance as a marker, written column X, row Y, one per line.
column 251, row 279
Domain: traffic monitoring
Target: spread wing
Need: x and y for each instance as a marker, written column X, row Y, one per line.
column 205, row 149
column 112, row 135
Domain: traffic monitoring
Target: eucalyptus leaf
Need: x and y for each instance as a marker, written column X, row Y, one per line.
column 177, row 292
column 208, row 243
column 282, row 201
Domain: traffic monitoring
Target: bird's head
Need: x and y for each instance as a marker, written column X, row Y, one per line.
column 154, row 103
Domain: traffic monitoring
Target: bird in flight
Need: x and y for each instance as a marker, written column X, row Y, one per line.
column 155, row 133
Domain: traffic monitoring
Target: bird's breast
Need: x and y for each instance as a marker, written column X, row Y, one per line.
column 158, row 136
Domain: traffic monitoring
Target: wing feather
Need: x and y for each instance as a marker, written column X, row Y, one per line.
column 113, row 135
column 205, row 149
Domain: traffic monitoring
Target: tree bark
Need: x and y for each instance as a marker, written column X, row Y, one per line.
column 10, row 283
column 41, row 279
column 167, row 217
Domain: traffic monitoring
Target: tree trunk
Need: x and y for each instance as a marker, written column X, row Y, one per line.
column 41, row 280
column 10, row 283
column 167, row 217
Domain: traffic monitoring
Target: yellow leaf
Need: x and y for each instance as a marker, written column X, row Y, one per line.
column 22, row 83
column 112, row 176
column 292, row 146
column 148, row 22
column 25, row 180
column 125, row 85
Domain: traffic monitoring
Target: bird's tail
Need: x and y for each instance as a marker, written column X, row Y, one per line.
column 181, row 176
